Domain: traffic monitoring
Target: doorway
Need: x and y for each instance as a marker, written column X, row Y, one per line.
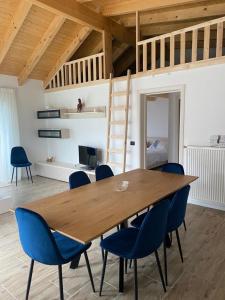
column 162, row 129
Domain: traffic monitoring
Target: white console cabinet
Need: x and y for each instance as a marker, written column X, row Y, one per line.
column 60, row 171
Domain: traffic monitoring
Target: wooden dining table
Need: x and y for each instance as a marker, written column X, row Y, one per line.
column 87, row 212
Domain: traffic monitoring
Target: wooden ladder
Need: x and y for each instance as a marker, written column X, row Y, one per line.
column 112, row 108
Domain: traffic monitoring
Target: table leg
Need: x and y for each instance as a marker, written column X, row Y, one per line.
column 121, row 275
column 75, row 262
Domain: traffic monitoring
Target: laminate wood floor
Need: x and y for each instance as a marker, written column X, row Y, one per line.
column 201, row 276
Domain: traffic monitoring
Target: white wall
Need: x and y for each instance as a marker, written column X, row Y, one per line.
column 30, row 98
column 157, row 118
column 204, row 110
column 87, row 132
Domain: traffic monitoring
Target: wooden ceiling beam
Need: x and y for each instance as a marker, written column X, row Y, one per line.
column 92, row 45
column 72, row 47
column 125, row 61
column 118, row 7
column 118, row 49
column 79, row 13
column 17, row 21
column 40, row 49
column 181, row 13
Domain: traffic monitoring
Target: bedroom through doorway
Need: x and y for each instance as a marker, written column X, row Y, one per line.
column 162, row 129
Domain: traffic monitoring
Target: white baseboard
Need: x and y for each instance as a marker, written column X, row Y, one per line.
column 206, row 203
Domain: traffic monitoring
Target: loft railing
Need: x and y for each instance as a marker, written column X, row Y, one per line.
column 189, row 45
column 87, row 69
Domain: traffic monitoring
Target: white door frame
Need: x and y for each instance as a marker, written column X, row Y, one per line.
column 143, row 117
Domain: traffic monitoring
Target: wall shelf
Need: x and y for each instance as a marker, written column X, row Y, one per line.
column 87, row 112
column 53, row 133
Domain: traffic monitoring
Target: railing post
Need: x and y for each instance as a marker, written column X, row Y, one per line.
column 138, row 36
column 84, row 71
column 89, row 69
column 219, row 40
column 172, row 50
column 206, row 42
column 194, row 45
column 162, row 53
column 153, row 55
column 182, row 48
column 145, row 57
column 100, row 67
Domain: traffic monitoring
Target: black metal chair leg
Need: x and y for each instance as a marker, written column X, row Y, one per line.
column 126, row 263
column 171, row 237
column 60, row 282
column 12, row 174
column 179, row 245
column 31, row 175
column 103, row 272
column 165, row 263
column 135, row 280
column 118, row 228
column 160, row 270
column 75, row 262
column 130, row 263
column 28, row 177
column 185, row 227
column 29, row 279
column 16, row 176
column 89, row 271
column 102, row 250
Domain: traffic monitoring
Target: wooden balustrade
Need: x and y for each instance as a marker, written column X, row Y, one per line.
column 79, row 71
column 182, row 47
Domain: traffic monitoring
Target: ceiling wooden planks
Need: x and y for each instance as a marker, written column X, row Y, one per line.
column 39, row 35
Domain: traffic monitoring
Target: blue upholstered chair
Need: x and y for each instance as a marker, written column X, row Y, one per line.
column 173, row 168
column 78, row 179
column 102, row 172
column 176, row 216
column 134, row 243
column 176, row 169
column 41, row 245
column 19, row 160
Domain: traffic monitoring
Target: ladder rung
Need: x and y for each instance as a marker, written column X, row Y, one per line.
column 115, row 164
column 113, row 150
column 117, row 137
column 118, row 107
column 115, row 94
column 123, row 122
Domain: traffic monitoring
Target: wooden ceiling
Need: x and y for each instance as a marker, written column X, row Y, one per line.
column 38, row 36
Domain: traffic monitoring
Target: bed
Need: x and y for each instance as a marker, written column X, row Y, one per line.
column 156, row 152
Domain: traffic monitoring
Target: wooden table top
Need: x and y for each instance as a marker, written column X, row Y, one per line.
column 85, row 213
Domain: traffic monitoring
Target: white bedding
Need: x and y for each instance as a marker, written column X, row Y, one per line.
column 157, row 156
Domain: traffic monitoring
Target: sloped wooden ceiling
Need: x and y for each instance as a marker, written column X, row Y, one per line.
column 38, row 36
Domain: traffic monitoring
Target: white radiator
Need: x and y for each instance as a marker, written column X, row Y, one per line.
column 208, row 164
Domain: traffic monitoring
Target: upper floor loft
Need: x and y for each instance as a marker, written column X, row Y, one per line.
column 75, row 42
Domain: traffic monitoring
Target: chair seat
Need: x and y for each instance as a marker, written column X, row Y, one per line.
column 138, row 221
column 121, row 243
column 27, row 164
column 69, row 248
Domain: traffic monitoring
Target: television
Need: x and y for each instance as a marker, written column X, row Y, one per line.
column 88, row 157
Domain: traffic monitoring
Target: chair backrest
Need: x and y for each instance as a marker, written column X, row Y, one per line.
column 173, row 168
column 78, row 179
column 18, row 155
column 178, row 208
column 36, row 238
column 102, row 172
column 152, row 231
